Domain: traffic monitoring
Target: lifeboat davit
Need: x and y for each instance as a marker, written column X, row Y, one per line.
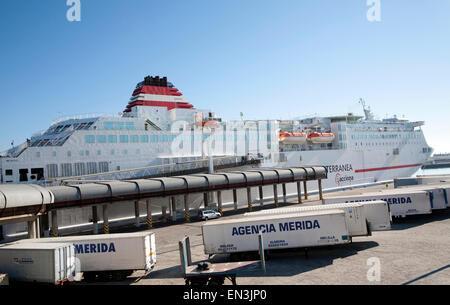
column 292, row 137
column 321, row 137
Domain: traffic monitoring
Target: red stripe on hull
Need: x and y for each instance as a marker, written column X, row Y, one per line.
column 385, row 168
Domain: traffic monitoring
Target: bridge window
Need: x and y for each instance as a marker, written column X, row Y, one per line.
column 124, row 139
column 129, row 125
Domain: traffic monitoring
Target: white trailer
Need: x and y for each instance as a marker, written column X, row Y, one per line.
column 300, row 230
column 401, row 202
column 378, row 214
column 361, row 220
column 110, row 256
column 355, row 219
column 52, row 263
column 439, row 200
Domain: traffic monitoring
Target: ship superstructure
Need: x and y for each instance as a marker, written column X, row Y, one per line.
column 159, row 126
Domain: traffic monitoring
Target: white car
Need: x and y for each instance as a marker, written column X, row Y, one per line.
column 210, row 214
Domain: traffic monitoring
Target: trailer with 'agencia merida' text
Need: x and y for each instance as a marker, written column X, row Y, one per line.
column 284, row 231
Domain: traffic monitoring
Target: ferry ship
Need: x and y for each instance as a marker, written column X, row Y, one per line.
column 159, row 127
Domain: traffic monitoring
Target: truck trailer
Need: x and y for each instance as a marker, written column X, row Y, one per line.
column 401, row 202
column 361, row 220
column 110, row 256
column 283, row 231
column 51, row 263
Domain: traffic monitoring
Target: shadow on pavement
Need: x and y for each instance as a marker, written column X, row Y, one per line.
column 419, row 220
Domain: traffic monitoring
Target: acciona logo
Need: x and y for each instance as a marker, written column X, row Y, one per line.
column 74, row 12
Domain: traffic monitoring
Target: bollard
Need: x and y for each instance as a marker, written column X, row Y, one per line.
column 235, row 202
column 105, row 219
column 275, row 195
column 149, row 214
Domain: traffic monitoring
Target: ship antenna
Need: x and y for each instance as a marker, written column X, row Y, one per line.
column 367, row 112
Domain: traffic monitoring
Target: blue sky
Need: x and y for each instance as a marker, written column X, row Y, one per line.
column 267, row 59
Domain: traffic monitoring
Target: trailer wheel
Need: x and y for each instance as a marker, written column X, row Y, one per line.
column 104, row 276
column 118, row 276
column 199, row 281
column 216, row 281
column 90, row 277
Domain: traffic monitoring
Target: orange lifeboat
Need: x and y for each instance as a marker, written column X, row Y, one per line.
column 292, row 137
column 321, row 137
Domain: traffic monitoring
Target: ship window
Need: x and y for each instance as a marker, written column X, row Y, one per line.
column 80, row 169
column 108, row 125
column 66, row 169
column 118, row 125
column 125, row 152
column 138, row 151
column 39, row 172
column 124, row 139
column 91, row 168
column 8, row 172
column 163, row 138
column 101, row 139
column 69, row 154
column 99, row 152
column 52, row 170
column 129, row 125
column 23, row 174
column 134, row 139
column 154, row 139
column 89, row 139
column 54, row 153
column 112, row 151
column 103, row 167
column 144, row 139
column 112, row 139
column 38, row 154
